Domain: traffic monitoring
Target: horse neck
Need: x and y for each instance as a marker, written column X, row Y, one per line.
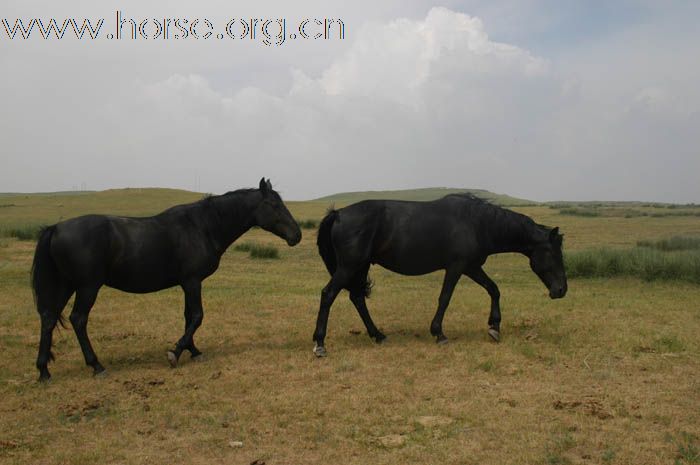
column 511, row 232
column 234, row 215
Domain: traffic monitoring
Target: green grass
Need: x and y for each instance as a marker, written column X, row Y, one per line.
column 613, row 211
column 243, row 247
column 669, row 344
column 688, row 451
column 674, row 213
column 618, row 204
column 308, row 224
column 264, row 251
column 641, row 262
column 672, row 244
column 258, row 250
column 573, row 211
column 608, row 455
column 487, row 365
column 28, row 232
column 560, row 445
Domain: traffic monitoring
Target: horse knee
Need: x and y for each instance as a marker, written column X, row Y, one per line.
column 197, row 319
column 78, row 320
column 327, row 296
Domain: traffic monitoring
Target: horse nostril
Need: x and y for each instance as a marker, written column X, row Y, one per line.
column 295, row 240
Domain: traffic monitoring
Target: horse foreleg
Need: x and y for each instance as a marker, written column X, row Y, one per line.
column 448, row 286
column 193, row 303
column 481, row 278
column 194, row 352
column 84, row 300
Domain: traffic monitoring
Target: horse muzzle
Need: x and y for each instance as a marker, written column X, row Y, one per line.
column 557, row 292
column 294, row 239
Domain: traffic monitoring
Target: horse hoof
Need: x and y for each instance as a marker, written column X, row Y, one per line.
column 99, row 374
column 379, row 339
column 172, row 359
column 197, row 358
column 495, row 334
column 442, row 340
column 44, row 379
column 319, row 351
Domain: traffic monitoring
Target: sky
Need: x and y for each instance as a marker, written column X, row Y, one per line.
column 544, row 100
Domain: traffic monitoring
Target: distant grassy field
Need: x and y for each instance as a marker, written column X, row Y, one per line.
column 655, row 211
column 608, row 374
column 430, row 193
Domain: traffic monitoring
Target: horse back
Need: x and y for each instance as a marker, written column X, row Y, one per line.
column 405, row 237
column 130, row 254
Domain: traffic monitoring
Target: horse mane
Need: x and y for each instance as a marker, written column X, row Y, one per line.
column 208, row 197
column 506, row 221
column 246, row 190
column 473, row 198
column 484, row 207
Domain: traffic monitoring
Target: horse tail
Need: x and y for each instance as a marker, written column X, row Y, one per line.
column 51, row 292
column 324, row 241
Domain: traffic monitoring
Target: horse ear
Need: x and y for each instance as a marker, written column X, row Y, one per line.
column 269, row 184
column 263, row 186
column 553, row 235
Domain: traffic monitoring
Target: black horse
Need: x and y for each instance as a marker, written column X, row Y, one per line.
column 180, row 246
column 455, row 233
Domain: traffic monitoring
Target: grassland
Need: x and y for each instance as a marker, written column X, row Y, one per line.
column 607, row 375
column 676, row 258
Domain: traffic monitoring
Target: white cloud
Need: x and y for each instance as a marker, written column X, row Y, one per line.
column 405, row 102
column 395, row 60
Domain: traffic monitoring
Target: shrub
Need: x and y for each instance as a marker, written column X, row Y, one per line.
column 573, row 211
column 308, row 224
column 23, row 233
column 257, row 250
column 673, row 243
column 645, row 263
column 264, row 251
column 243, row 247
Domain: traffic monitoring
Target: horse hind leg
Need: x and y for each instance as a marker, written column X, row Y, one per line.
column 359, row 291
column 50, row 308
column 338, row 281
column 84, row 300
column 48, row 323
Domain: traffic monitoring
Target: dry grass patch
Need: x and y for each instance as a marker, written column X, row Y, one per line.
column 606, row 375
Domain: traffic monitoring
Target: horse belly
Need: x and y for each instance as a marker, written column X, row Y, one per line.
column 408, row 270
column 410, row 260
column 141, row 277
column 142, row 258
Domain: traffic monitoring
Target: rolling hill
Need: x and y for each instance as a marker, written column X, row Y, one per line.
column 430, row 193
